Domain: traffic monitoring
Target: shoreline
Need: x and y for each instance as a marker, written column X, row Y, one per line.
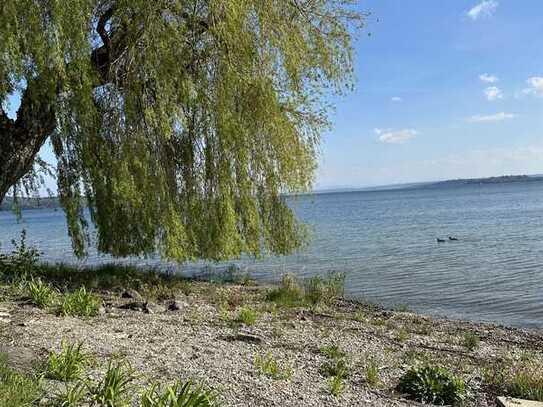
column 218, row 331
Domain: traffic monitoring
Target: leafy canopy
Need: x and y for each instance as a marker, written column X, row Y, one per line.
column 182, row 122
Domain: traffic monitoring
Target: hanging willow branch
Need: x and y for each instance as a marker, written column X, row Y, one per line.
column 180, row 124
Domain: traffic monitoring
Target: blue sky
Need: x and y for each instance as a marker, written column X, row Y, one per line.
column 446, row 89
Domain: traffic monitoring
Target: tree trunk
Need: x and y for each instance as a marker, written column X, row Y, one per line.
column 22, row 139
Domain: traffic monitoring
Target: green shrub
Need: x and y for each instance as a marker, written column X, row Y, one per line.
column 17, row 390
column 80, row 303
column 21, row 262
column 177, row 395
column 471, row 341
column 247, row 316
column 268, row 366
column 67, row 364
column 41, row 294
column 434, row 385
column 116, row 387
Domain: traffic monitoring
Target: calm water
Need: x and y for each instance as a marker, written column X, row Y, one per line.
column 385, row 241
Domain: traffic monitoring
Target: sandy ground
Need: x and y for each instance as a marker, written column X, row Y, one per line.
column 201, row 341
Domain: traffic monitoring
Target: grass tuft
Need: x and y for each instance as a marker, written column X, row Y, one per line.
column 269, row 366
column 80, row 303
column 16, row 389
column 116, row 387
column 292, row 292
column 41, row 294
column 67, row 364
column 471, row 341
column 247, row 315
column 177, row 395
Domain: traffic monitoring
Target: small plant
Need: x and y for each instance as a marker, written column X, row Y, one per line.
column 41, row 294
column 288, row 294
column 336, row 385
column 268, row 366
column 324, row 289
column 402, row 335
column 523, row 380
column 247, row 316
column 80, row 303
column 71, row 396
column 434, row 385
column 177, row 395
column 526, row 381
column 471, row 341
column 115, row 389
column 335, row 368
column 67, row 364
column 332, row 352
column 21, row 262
column 372, row 373
column 17, row 390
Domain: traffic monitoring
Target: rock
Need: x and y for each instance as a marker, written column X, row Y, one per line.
column 176, row 305
column 20, row 359
column 133, row 294
column 134, row 306
column 152, row 308
column 511, row 402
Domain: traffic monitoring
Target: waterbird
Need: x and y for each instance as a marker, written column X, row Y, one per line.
column 452, row 238
column 440, row 240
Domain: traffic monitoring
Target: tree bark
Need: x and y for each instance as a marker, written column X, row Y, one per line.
column 21, row 139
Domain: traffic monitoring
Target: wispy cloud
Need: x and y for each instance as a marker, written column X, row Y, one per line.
column 485, row 8
column 498, row 117
column 535, row 86
column 487, row 78
column 493, row 93
column 395, row 136
column 396, row 99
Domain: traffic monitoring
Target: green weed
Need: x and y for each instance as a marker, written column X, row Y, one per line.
column 80, row 303
column 67, row 364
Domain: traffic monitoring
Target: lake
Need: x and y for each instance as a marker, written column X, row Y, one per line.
column 386, row 243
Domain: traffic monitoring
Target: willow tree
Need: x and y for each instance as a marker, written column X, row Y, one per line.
column 179, row 124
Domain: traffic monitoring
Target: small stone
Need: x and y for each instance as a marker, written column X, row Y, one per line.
column 511, row 402
column 152, row 308
column 133, row 294
column 134, row 306
column 176, row 305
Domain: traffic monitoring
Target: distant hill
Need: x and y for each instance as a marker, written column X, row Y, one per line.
column 505, row 179
column 32, row 203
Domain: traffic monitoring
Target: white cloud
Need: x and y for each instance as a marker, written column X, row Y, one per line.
column 396, row 99
column 493, row 93
column 498, row 117
column 485, row 8
column 536, row 86
column 488, row 78
column 395, row 136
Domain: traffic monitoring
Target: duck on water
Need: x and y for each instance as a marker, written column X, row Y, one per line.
column 453, row 239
